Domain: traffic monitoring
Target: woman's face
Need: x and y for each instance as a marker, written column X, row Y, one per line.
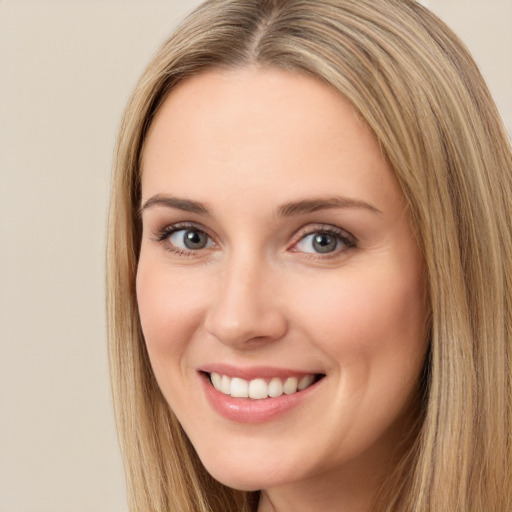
column 278, row 260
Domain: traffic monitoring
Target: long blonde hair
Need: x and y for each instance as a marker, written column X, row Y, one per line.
column 423, row 97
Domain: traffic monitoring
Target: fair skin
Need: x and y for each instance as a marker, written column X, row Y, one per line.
column 277, row 246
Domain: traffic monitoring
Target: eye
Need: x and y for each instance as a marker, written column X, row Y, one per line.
column 324, row 242
column 190, row 239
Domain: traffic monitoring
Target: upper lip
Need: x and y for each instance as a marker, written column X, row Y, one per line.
column 254, row 372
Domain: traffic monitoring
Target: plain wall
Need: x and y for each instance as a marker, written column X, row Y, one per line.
column 66, row 70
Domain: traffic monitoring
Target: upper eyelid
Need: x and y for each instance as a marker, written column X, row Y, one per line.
column 310, row 229
column 181, row 226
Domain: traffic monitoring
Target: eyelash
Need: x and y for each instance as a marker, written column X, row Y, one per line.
column 346, row 239
column 163, row 235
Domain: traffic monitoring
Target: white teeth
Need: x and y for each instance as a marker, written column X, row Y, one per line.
column 305, row 382
column 259, row 388
column 275, row 387
column 216, row 380
column 225, row 385
column 239, row 388
column 290, row 385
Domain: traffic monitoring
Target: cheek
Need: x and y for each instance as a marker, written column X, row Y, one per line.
column 373, row 330
column 364, row 304
column 371, row 324
column 170, row 311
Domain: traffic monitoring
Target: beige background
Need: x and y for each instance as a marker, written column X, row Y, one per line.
column 67, row 67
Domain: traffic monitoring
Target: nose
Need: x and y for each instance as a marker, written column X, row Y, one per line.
column 246, row 309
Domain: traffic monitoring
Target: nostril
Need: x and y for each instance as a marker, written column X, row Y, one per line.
column 246, row 327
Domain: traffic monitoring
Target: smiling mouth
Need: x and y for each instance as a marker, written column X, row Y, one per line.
column 260, row 388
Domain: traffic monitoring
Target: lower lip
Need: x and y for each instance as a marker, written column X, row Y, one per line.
column 248, row 410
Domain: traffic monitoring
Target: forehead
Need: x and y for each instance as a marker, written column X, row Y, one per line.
column 253, row 128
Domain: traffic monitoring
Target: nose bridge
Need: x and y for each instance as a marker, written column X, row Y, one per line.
column 245, row 307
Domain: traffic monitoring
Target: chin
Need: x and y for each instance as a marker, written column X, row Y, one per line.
column 245, row 475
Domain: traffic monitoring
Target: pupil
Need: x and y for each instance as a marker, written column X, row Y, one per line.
column 324, row 243
column 195, row 240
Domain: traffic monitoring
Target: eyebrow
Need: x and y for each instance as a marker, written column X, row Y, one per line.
column 316, row 204
column 289, row 209
column 178, row 203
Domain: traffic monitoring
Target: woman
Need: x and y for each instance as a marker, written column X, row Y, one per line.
column 309, row 282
